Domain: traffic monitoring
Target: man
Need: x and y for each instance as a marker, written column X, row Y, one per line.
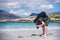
column 43, row 20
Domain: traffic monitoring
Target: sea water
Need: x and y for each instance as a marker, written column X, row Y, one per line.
column 17, row 25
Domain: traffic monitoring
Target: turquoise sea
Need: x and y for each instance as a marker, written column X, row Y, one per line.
column 16, row 25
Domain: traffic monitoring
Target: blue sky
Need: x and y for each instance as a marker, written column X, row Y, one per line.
column 26, row 7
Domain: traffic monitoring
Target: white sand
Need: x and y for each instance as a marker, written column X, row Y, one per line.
column 25, row 34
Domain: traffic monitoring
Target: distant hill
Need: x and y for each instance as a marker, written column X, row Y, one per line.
column 55, row 13
column 52, row 15
column 7, row 15
column 33, row 14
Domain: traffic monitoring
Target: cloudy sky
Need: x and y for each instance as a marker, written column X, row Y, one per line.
column 26, row 7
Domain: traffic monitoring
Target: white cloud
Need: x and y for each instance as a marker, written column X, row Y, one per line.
column 12, row 5
column 33, row 4
column 13, row 12
column 57, row 1
column 20, row 12
column 49, row 6
column 9, row 5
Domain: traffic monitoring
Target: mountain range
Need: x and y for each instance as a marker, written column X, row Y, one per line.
column 34, row 14
column 7, row 15
column 53, row 13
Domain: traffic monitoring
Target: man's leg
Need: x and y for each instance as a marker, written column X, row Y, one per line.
column 43, row 29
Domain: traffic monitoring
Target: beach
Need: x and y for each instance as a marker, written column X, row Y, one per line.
column 26, row 34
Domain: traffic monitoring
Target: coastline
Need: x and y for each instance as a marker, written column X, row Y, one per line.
column 26, row 34
column 25, row 20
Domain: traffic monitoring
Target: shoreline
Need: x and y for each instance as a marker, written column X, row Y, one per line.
column 25, row 20
column 14, row 29
column 29, row 21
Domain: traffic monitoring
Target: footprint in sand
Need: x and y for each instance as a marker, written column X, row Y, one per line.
column 39, row 35
column 34, row 35
column 23, row 36
column 20, row 37
column 50, row 34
